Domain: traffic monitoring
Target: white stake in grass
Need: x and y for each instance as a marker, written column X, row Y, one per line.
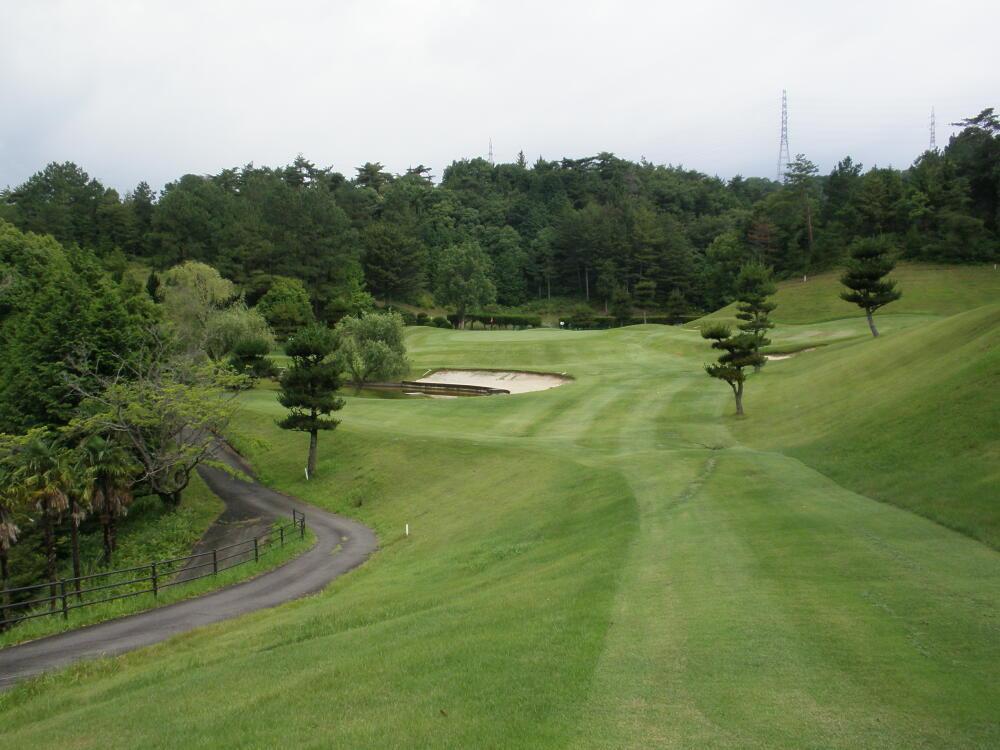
column 307, row 473
column 407, row 529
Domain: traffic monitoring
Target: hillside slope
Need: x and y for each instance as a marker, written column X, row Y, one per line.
column 909, row 418
column 927, row 290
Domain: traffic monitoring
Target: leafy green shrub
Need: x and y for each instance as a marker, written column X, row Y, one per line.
column 440, row 322
column 423, row 319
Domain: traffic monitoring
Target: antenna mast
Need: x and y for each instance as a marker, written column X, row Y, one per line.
column 784, row 157
column 933, row 145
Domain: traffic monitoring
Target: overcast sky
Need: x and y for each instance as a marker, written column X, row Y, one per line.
column 153, row 90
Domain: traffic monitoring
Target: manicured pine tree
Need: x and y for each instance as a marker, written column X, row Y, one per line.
column 753, row 287
column 871, row 259
column 309, row 386
column 738, row 353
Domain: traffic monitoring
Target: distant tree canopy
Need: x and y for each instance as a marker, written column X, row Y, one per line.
column 570, row 227
column 54, row 306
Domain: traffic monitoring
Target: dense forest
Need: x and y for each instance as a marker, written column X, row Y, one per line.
column 583, row 228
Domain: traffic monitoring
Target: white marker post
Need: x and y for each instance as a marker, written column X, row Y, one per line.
column 307, row 473
column 407, row 529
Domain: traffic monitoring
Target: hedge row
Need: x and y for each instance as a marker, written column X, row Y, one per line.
column 499, row 320
column 582, row 320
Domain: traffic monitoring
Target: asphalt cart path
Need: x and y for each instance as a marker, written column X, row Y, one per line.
column 341, row 545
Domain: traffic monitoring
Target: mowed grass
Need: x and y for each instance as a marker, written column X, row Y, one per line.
column 912, row 419
column 927, row 290
column 611, row 563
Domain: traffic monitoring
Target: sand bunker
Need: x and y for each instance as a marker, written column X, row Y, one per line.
column 515, row 382
column 777, row 357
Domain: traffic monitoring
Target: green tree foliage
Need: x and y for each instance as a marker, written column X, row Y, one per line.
column 42, row 474
column 871, row 260
column 107, row 472
column 227, row 328
column 645, row 293
column 250, row 359
column 371, row 347
column 738, row 353
column 393, row 260
column 309, row 386
column 677, row 306
column 203, row 313
column 621, row 306
column 464, row 279
column 56, row 305
column 166, row 412
column 572, row 227
column 800, row 179
column 753, row 287
column 10, row 502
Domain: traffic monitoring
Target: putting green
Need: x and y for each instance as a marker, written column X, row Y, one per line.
column 616, row 562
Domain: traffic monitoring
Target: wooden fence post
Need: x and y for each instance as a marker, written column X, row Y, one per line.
column 152, row 568
column 215, row 562
column 65, row 603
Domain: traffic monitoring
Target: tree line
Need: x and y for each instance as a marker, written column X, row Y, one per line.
column 592, row 228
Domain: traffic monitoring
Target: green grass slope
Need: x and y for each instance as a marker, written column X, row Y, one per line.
column 927, row 290
column 912, row 418
column 604, row 564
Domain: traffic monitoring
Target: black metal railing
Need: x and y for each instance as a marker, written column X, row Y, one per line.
column 151, row 578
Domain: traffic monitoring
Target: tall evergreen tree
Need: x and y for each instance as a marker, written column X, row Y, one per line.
column 799, row 178
column 870, row 261
column 645, row 291
column 309, row 386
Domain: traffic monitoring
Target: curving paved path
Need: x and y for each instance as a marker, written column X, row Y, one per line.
column 306, row 574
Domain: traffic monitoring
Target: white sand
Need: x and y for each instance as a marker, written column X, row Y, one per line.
column 776, row 357
column 515, row 382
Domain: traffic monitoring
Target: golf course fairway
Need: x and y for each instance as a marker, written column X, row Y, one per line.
column 616, row 562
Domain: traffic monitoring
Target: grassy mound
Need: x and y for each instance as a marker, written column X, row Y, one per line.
column 927, row 290
column 910, row 419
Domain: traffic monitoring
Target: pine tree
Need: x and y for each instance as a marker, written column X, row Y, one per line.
column 309, row 386
column 739, row 352
column 753, row 287
column 645, row 290
column 871, row 259
column 677, row 306
column 621, row 306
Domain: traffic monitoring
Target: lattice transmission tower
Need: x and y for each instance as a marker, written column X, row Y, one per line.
column 491, row 152
column 784, row 157
column 933, row 145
